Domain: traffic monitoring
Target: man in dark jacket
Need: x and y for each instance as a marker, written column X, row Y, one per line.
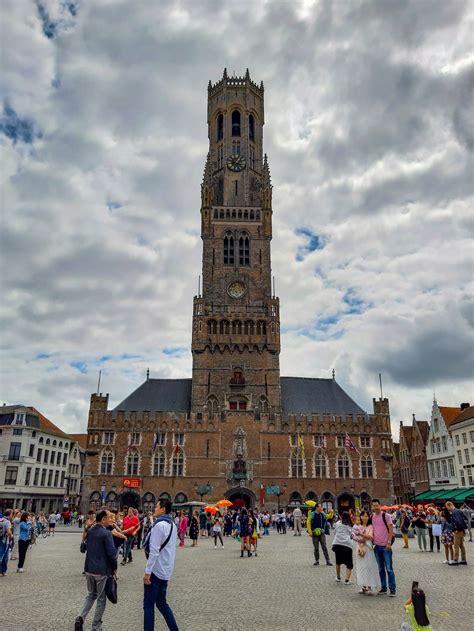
column 318, row 528
column 458, row 522
column 101, row 562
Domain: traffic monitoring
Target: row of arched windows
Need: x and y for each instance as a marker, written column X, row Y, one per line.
column 321, row 468
column 236, row 214
column 237, row 327
column 229, row 249
column 236, row 124
column 132, row 462
column 53, row 444
column 213, row 405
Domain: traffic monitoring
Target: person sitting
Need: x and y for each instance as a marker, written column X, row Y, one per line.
column 418, row 612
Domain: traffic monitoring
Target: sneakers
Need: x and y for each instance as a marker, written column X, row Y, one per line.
column 462, row 563
column 381, row 592
column 347, row 582
column 316, row 563
column 328, row 563
column 453, row 563
column 338, row 580
column 78, row 625
column 392, row 594
column 20, row 569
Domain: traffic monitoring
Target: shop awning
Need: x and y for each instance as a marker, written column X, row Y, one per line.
column 429, row 495
column 454, row 495
column 461, row 495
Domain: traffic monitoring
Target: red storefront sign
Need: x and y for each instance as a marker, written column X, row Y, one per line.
column 132, row 483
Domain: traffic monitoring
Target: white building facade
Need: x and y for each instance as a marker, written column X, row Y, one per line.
column 440, row 450
column 462, row 432
column 34, row 459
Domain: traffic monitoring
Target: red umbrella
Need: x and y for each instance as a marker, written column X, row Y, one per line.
column 210, row 509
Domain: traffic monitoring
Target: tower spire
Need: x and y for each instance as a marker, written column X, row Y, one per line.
column 206, row 186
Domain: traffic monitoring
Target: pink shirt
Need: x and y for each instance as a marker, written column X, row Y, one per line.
column 381, row 536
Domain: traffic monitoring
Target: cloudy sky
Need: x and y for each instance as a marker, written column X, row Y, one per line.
column 369, row 132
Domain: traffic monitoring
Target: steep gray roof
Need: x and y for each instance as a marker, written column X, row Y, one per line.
column 159, row 395
column 304, row 395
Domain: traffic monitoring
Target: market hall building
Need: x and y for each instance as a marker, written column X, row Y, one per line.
column 237, row 429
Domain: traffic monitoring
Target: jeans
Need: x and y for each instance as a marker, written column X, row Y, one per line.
column 155, row 594
column 432, row 538
column 265, row 530
column 22, row 550
column 4, row 552
column 384, row 561
column 127, row 548
column 317, row 539
column 421, row 535
column 96, row 589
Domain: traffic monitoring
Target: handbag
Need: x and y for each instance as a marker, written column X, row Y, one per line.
column 83, row 547
column 437, row 530
column 111, row 589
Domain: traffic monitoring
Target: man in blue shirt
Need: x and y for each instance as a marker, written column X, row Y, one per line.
column 159, row 567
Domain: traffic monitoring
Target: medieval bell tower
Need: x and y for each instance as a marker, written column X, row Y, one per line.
column 236, row 323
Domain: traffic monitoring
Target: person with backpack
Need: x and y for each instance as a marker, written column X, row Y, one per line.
column 318, row 527
column 160, row 549
column 383, row 538
column 5, row 540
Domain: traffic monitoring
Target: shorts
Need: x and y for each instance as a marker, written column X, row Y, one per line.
column 53, row 526
column 343, row 556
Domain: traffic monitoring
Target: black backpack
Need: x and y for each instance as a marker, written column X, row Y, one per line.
column 386, row 525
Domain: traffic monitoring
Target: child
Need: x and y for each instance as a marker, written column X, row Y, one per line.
column 418, row 612
column 357, row 530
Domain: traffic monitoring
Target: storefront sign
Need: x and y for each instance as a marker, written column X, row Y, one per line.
column 132, row 483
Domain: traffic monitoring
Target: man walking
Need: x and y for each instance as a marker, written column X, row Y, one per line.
column 5, row 539
column 458, row 522
column 159, row 567
column 297, row 517
column 317, row 526
column 101, row 562
column 468, row 515
column 383, row 536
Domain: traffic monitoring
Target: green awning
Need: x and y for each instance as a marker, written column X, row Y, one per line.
column 461, row 495
column 428, row 495
column 455, row 495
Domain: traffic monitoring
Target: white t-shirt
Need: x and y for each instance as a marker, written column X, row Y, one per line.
column 53, row 518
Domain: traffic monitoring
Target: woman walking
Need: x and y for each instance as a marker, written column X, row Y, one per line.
column 217, row 529
column 194, row 529
column 420, row 528
column 404, row 525
column 182, row 528
column 244, row 528
column 367, row 570
column 23, row 540
column 447, row 537
column 253, row 529
column 342, row 547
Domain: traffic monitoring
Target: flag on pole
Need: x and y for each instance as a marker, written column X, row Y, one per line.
column 301, row 446
column 349, row 445
column 176, row 450
column 155, row 442
column 262, row 495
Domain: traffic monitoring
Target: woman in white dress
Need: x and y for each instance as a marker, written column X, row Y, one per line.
column 367, row 570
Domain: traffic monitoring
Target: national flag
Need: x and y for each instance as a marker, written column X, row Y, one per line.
column 176, row 450
column 301, row 446
column 262, row 495
column 155, row 442
column 349, row 445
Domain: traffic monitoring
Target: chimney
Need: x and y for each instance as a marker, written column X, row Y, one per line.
column 464, row 406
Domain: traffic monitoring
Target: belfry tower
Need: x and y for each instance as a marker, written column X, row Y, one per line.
column 236, row 323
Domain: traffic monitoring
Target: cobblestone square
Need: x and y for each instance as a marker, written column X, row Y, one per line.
column 216, row 590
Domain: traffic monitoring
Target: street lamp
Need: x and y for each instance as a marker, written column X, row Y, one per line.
column 279, row 490
column 203, row 489
column 413, row 488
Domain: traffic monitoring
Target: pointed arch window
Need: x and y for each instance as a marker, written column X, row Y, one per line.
column 220, row 127
column 224, row 327
column 244, row 250
column 237, row 327
column 159, row 462
column 249, row 327
column 296, row 463
column 251, row 127
column 261, row 327
column 132, row 463
column 106, row 462
column 212, row 327
column 263, row 405
column 235, row 123
column 320, row 465
column 343, row 466
column 212, row 406
column 366, row 467
column 229, row 254
column 177, row 465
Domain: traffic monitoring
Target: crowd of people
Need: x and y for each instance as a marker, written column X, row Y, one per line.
column 361, row 540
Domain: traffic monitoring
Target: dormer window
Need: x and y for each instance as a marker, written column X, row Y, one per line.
column 20, row 418
column 235, row 123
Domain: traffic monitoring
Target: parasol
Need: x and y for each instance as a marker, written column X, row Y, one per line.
column 210, row 509
column 310, row 503
column 224, row 503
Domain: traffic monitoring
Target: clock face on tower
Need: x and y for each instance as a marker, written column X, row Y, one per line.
column 236, row 290
column 235, row 163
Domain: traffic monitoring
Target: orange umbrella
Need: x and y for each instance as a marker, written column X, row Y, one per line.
column 210, row 509
column 385, row 507
column 223, row 503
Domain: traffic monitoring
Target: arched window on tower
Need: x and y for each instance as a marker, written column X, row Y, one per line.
column 106, row 462
column 228, row 249
column 249, row 327
column 261, row 327
column 263, row 405
column 366, row 467
column 235, row 123
column 320, row 465
column 212, row 406
column 220, row 127
column 212, row 327
column 132, row 463
column 224, row 327
column 251, row 127
column 244, row 250
column 236, row 327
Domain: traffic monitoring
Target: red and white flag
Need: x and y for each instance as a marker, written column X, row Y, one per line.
column 349, row 445
column 262, row 495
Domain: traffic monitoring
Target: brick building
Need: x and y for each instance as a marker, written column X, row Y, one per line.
column 411, row 467
column 237, row 429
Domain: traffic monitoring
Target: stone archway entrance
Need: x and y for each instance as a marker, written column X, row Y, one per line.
column 241, row 496
column 345, row 502
column 130, row 499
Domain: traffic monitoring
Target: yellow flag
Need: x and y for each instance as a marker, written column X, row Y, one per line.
column 301, row 446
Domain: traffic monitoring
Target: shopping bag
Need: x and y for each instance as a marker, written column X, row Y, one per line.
column 437, row 530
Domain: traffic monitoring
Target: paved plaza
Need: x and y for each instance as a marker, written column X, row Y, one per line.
column 214, row 589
